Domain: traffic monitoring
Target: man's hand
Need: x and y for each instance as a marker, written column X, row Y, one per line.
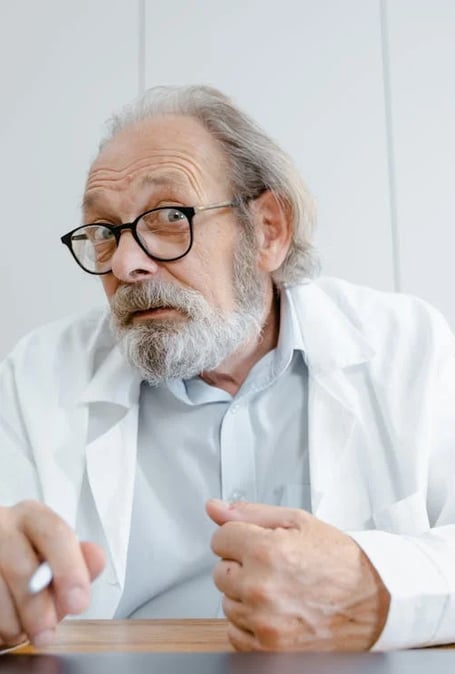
column 292, row 582
column 29, row 533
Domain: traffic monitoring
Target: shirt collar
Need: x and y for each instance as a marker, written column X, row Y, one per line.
column 290, row 337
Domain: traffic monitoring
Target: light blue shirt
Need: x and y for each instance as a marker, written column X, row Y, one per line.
column 196, row 442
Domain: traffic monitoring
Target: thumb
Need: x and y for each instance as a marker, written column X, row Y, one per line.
column 267, row 516
column 94, row 558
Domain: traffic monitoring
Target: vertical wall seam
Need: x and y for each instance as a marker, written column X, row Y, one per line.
column 390, row 145
column 141, row 47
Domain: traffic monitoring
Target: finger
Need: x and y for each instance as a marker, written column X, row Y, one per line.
column 237, row 613
column 267, row 516
column 36, row 614
column 55, row 542
column 233, row 540
column 242, row 640
column 10, row 627
column 227, row 576
column 94, row 557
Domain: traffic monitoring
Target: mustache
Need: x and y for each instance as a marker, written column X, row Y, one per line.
column 153, row 294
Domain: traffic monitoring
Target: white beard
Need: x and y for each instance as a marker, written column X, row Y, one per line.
column 163, row 349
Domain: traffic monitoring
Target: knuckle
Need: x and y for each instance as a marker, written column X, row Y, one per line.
column 28, row 506
column 214, row 542
column 15, row 572
column 262, row 551
column 267, row 633
column 238, row 642
column 32, row 514
column 217, row 576
column 7, row 519
column 10, row 635
column 258, row 592
column 300, row 517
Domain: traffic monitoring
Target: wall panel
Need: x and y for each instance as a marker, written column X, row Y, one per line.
column 421, row 37
column 311, row 73
column 64, row 67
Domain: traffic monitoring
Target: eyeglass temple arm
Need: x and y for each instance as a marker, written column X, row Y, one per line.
column 225, row 204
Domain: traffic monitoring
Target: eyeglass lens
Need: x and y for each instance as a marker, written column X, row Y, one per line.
column 164, row 233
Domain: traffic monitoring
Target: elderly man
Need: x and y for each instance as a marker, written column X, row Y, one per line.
column 313, row 419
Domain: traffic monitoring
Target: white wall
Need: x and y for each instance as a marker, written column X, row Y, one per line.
column 64, row 66
column 422, row 93
column 360, row 92
column 310, row 71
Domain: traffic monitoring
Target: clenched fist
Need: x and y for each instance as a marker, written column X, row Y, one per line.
column 293, row 582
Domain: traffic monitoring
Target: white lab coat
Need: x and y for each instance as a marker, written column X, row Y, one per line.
column 381, row 419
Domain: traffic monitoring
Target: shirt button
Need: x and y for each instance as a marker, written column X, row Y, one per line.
column 234, row 408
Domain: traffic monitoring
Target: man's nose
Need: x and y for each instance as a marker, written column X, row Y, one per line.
column 129, row 262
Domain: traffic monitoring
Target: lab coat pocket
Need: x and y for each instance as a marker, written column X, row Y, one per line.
column 406, row 516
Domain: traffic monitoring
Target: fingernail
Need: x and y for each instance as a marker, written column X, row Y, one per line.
column 76, row 600
column 43, row 639
column 221, row 503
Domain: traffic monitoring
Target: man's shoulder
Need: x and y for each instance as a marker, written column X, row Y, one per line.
column 376, row 312
column 66, row 337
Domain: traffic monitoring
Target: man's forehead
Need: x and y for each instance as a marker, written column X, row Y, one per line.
column 161, row 134
column 167, row 180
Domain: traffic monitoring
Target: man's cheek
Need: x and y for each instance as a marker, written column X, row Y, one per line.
column 110, row 285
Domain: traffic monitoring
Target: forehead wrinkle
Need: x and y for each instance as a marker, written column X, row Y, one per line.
column 190, row 176
column 167, row 179
column 180, row 171
column 183, row 164
column 107, row 173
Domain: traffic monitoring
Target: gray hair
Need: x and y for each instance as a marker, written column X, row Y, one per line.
column 256, row 162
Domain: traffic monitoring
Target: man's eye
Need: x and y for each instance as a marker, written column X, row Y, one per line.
column 102, row 234
column 171, row 215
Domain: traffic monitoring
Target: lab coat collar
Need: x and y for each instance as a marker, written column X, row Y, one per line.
column 114, row 381
column 112, row 400
column 330, row 340
column 332, row 344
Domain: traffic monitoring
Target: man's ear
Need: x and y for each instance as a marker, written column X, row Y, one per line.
column 273, row 230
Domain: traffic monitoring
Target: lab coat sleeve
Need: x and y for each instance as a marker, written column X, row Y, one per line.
column 419, row 570
column 18, row 476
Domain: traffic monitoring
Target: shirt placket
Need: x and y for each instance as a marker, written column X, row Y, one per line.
column 237, row 452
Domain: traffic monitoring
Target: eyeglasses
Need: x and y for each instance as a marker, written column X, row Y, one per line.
column 164, row 234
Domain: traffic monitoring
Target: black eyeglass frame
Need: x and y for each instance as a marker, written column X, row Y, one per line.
column 188, row 211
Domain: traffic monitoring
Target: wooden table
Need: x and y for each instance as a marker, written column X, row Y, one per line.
column 90, row 636
column 140, row 636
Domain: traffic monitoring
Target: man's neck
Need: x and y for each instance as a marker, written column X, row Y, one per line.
column 233, row 371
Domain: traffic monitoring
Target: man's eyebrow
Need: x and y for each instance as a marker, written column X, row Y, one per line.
column 90, row 200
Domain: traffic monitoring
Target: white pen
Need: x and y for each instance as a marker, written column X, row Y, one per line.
column 40, row 579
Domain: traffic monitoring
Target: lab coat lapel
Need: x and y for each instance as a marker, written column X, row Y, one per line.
column 330, row 425
column 332, row 345
column 111, row 463
column 113, row 399
column 61, row 475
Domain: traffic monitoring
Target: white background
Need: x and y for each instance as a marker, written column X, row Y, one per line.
column 360, row 92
